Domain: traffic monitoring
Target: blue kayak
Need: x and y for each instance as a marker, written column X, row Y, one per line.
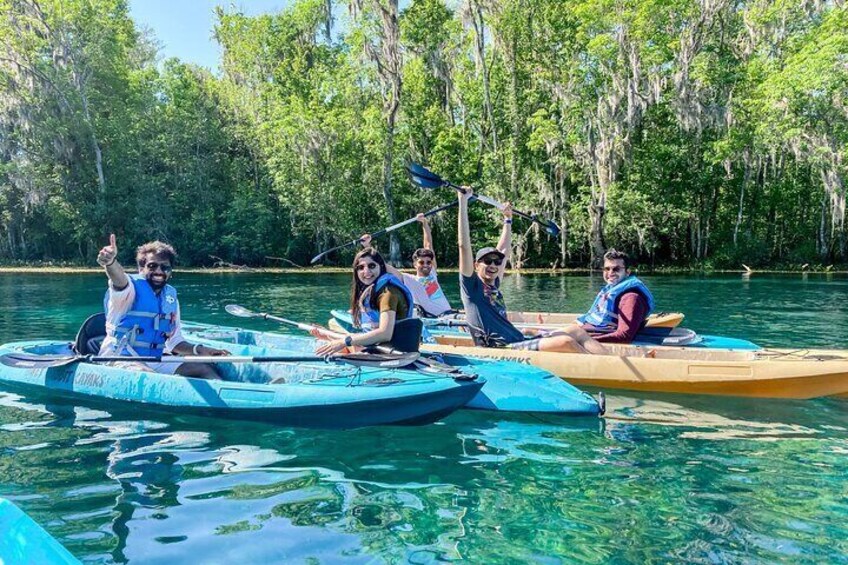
column 24, row 542
column 510, row 386
column 309, row 394
column 660, row 336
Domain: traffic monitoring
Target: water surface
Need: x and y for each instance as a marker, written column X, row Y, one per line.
column 664, row 478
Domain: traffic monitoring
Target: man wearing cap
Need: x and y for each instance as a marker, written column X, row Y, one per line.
column 485, row 309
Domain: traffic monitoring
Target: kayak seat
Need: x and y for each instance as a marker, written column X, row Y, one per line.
column 407, row 335
column 91, row 335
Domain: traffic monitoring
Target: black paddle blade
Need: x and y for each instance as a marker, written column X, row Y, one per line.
column 379, row 360
column 423, row 177
column 552, row 228
column 23, row 360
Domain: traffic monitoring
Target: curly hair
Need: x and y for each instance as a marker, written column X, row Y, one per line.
column 157, row 248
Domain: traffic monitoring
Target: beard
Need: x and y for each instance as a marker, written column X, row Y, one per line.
column 156, row 281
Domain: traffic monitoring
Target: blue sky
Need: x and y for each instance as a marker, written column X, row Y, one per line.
column 184, row 27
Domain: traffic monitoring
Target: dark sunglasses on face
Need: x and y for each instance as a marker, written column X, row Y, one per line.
column 615, row 269
column 492, row 261
column 425, row 262
column 369, row 266
column 153, row 266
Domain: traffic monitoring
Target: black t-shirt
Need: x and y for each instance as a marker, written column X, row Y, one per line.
column 485, row 312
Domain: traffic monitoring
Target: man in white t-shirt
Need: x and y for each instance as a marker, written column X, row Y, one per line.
column 143, row 313
column 424, row 284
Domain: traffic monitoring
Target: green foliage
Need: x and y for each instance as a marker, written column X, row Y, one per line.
column 684, row 132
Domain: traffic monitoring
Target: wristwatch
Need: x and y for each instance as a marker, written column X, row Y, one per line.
column 348, row 341
column 507, row 220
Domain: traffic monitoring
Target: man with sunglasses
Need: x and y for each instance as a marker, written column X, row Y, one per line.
column 429, row 297
column 621, row 306
column 485, row 308
column 143, row 313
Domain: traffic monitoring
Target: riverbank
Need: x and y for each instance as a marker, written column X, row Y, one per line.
column 55, row 269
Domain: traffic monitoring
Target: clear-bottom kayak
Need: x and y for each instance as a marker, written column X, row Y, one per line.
column 510, row 386
column 308, row 394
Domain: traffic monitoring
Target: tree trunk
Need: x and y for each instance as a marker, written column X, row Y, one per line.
column 480, row 46
column 95, row 144
column 388, row 168
column 597, row 247
column 821, row 240
column 746, row 177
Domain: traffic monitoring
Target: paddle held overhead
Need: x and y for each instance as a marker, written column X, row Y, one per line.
column 425, row 178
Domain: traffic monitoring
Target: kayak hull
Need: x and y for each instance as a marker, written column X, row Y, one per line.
column 317, row 395
column 22, row 540
column 767, row 373
column 509, row 386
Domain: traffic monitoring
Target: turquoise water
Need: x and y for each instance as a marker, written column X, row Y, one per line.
column 664, row 478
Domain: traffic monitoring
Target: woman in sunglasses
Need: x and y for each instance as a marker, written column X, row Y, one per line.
column 378, row 299
column 143, row 313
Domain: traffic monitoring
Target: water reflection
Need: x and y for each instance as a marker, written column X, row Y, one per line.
column 178, row 486
column 669, row 478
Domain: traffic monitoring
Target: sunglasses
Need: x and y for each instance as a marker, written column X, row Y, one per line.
column 369, row 266
column 153, row 266
column 497, row 261
column 613, row 269
column 425, row 261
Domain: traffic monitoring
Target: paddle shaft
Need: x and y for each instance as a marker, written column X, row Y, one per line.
column 382, row 231
column 302, row 326
column 499, row 205
column 208, row 359
column 325, row 331
column 425, row 178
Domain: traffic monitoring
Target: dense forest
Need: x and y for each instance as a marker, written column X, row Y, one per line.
column 688, row 132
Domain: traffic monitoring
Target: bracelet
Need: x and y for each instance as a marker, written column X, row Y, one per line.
column 348, row 341
column 194, row 349
column 112, row 263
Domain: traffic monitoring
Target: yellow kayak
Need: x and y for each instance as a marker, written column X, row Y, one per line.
column 765, row 373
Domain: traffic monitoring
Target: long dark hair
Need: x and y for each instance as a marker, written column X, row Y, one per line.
column 357, row 288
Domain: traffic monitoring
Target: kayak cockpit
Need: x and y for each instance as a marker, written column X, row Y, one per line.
column 254, row 373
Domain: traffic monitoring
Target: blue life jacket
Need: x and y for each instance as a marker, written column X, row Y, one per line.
column 604, row 311
column 369, row 318
column 148, row 324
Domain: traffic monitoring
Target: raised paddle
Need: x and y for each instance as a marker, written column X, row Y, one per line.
column 22, row 360
column 382, row 231
column 426, row 178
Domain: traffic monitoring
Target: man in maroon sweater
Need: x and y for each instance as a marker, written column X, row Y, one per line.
column 622, row 305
